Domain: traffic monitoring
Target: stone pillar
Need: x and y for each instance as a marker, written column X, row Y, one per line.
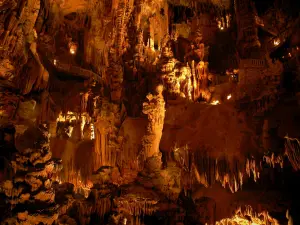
column 155, row 110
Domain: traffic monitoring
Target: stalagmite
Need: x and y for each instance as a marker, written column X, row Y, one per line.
column 34, row 193
column 155, row 110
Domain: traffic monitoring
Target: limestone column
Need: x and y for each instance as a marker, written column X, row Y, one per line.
column 155, row 111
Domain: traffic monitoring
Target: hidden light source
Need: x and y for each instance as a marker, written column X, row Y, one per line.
column 215, row 102
column 73, row 48
column 72, row 51
column 276, row 42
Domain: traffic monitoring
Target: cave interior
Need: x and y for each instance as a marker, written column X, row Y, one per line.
column 140, row 112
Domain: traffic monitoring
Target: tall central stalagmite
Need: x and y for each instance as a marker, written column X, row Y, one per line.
column 155, row 110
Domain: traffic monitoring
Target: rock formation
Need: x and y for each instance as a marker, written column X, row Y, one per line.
column 30, row 193
column 83, row 142
column 155, row 111
column 175, row 76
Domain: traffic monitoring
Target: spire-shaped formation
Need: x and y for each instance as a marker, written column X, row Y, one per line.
column 155, row 111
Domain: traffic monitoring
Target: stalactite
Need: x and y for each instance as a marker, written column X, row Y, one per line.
column 136, row 206
column 292, row 150
column 207, row 170
column 273, row 160
column 103, row 206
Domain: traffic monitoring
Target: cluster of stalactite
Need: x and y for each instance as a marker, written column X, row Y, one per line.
column 122, row 18
column 115, row 69
column 200, row 76
column 292, row 150
column 99, row 133
column 30, row 193
column 99, row 37
column 136, row 206
column 200, row 81
column 229, row 173
column 76, row 130
column 223, row 21
column 107, row 140
column 205, row 169
column 273, row 160
column 246, row 215
column 107, row 41
column 102, row 206
column 175, row 76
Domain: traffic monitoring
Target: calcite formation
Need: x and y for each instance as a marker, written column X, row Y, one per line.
column 30, row 193
column 292, row 147
column 107, row 140
column 135, row 203
column 155, row 111
column 175, row 76
column 224, row 84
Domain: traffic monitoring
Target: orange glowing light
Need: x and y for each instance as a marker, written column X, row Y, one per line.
column 72, row 51
column 73, row 48
column 276, row 42
column 215, row 102
column 93, row 132
column 229, row 97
